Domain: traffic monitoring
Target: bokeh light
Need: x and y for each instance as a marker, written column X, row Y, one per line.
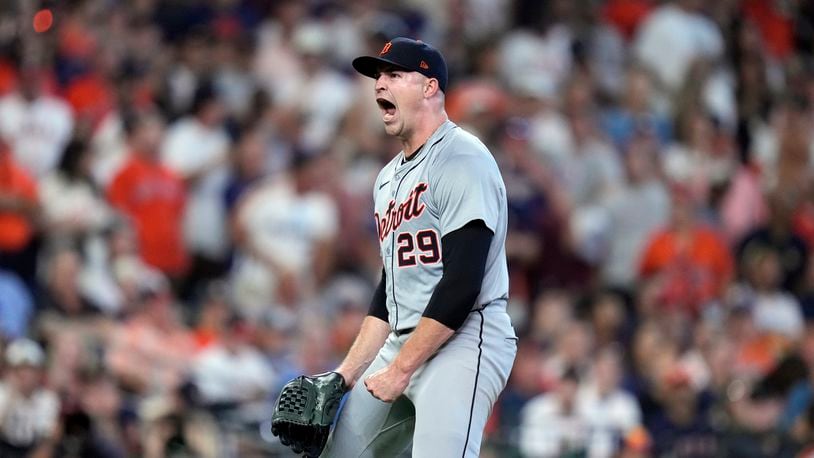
column 43, row 20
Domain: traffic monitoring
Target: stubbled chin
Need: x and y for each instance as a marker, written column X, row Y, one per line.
column 392, row 128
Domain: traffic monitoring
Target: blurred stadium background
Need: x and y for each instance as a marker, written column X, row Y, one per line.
column 185, row 217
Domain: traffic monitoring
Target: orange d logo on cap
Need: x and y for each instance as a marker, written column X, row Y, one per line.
column 386, row 48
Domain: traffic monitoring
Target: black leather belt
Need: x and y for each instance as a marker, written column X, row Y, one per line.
column 403, row 332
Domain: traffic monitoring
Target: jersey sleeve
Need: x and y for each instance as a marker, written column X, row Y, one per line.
column 378, row 304
column 465, row 252
column 465, row 189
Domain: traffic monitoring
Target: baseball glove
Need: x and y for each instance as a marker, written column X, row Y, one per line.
column 305, row 411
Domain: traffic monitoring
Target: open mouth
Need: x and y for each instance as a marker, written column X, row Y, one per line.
column 387, row 107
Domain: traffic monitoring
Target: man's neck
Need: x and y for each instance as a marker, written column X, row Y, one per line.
column 419, row 136
column 410, row 156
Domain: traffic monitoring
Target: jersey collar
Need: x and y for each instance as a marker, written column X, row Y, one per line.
column 436, row 136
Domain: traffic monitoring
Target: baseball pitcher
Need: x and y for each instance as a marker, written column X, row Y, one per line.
column 437, row 346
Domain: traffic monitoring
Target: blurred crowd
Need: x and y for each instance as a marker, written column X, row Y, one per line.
column 186, row 217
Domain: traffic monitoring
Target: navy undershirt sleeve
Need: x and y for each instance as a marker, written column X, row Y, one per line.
column 464, row 254
column 378, row 305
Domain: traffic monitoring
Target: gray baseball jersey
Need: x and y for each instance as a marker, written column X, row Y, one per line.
column 451, row 180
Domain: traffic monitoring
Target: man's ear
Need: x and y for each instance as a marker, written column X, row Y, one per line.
column 430, row 87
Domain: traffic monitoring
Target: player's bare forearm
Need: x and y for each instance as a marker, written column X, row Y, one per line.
column 368, row 342
column 389, row 383
column 427, row 338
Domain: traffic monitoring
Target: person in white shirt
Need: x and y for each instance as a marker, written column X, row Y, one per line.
column 276, row 63
column 639, row 208
column 321, row 96
column 36, row 125
column 610, row 413
column 232, row 371
column 593, row 417
column 537, row 60
column 672, row 37
column 28, row 411
column 197, row 148
column 285, row 231
column 72, row 205
column 774, row 310
column 551, row 424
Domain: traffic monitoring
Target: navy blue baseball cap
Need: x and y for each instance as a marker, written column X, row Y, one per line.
column 409, row 55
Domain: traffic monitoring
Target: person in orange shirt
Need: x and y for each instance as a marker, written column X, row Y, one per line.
column 19, row 209
column 689, row 260
column 151, row 196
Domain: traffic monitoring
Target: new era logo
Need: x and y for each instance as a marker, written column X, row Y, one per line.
column 424, row 65
column 386, row 48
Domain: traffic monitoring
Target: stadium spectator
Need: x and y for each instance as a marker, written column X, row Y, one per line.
column 152, row 197
column 36, row 125
column 93, row 427
column 538, row 58
column 775, row 311
column 63, row 295
column 592, row 168
column 778, row 236
column 151, row 352
column 689, row 261
column 685, row 424
column 639, row 208
column 285, row 229
column 248, row 166
column 552, row 425
column 610, row 413
column 213, row 315
column 29, row 411
column 637, row 113
column 232, row 372
column 610, row 319
column 196, row 148
column 320, row 97
column 679, row 26
column 73, row 208
column 701, row 159
column 276, row 339
column 19, row 218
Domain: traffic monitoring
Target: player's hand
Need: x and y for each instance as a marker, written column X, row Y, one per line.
column 387, row 384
